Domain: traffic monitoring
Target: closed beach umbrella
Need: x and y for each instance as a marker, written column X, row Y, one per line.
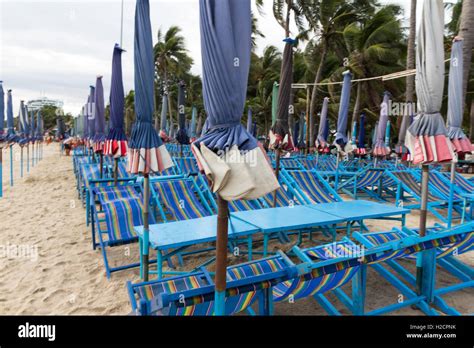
column 11, row 136
column 279, row 134
column 354, row 134
column 60, row 128
column 192, row 131
column 361, row 141
column 460, row 141
column 91, row 115
column 99, row 137
column 387, row 136
column 225, row 150
column 24, row 127
column 321, row 140
column 39, row 127
column 296, row 131
column 302, row 131
column 116, row 142
column 182, row 135
column 427, row 136
column 274, row 101
column 374, row 134
column 164, row 122
column 341, row 134
column 380, row 149
column 32, row 127
column 147, row 153
column 85, row 122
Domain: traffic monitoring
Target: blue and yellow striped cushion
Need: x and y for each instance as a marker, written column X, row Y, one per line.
column 310, row 184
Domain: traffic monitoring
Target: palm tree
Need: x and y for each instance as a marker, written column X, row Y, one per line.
column 374, row 48
column 326, row 19
column 171, row 59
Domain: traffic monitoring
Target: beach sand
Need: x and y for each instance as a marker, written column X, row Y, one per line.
column 42, row 213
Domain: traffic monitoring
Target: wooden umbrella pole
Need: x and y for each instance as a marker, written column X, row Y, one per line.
column 146, row 226
column 221, row 255
column 423, row 214
column 101, row 165
column 277, row 173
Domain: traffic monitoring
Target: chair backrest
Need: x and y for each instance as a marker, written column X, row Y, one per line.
column 313, row 186
column 411, row 182
column 121, row 215
column 181, row 198
column 283, row 198
column 187, row 165
column 109, row 193
column 465, row 184
column 442, row 185
column 90, row 172
column 244, row 205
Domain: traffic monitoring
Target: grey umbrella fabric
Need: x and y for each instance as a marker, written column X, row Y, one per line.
column 2, row 113
column 460, row 141
column 380, row 148
column 427, row 136
column 182, row 135
column 99, row 137
column 341, row 133
column 321, row 141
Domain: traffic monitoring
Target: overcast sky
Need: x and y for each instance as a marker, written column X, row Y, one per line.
column 57, row 48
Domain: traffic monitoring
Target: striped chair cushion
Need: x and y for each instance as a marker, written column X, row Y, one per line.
column 310, row 184
column 411, row 182
column 121, row 215
column 179, row 199
column 90, row 172
column 110, row 193
column 244, row 205
column 442, row 186
column 283, row 199
column 187, row 165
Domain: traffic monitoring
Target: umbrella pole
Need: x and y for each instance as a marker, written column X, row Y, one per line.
column 221, row 255
column 277, row 173
column 336, row 180
column 423, row 213
column 11, row 164
column 27, row 158
column 146, row 226
column 1, row 172
column 21, row 162
column 101, row 165
column 115, row 171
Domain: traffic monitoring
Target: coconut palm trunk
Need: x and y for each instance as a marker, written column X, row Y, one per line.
column 314, row 94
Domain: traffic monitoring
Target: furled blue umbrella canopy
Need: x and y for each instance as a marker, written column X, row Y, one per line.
column 24, row 127
column 91, row 115
column 182, row 135
column 147, row 152
column 226, row 46
column 322, row 140
column 99, row 137
column 302, row 132
column 341, row 134
column 427, row 136
column 32, row 127
column 274, row 101
column 39, row 127
column 192, row 131
column 60, row 128
column 11, row 135
column 296, row 130
column 116, row 141
column 361, row 138
column 460, row 141
column 380, row 148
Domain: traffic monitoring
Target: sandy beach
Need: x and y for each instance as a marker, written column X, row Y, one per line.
column 55, row 271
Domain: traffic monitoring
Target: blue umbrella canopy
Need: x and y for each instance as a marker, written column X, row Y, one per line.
column 99, row 137
column 24, row 127
column 32, row 127
column 302, row 132
column 116, row 140
column 380, row 148
column 192, row 131
column 387, row 135
column 322, row 140
column 60, row 128
column 361, row 138
column 426, row 138
column 147, row 151
column 226, row 46
column 460, row 141
column 39, row 127
column 11, row 136
column 85, row 121
column 182, row 135
column 2, row 111
column 91, row 114
column 341, row 134
column 296, row 131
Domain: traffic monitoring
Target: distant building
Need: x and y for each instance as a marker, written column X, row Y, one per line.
column 36, row 104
